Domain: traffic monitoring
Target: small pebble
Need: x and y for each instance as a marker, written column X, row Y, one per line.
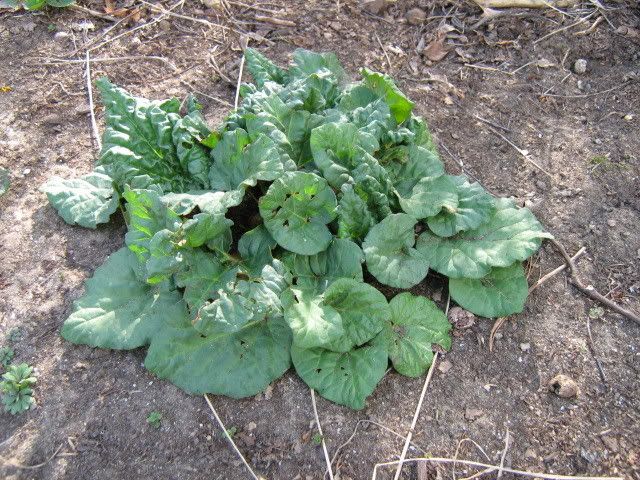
column 541, row 185
column 60, row 36
column 580, row 66
column 26, row 171
column 611, row 222
column 525, row 347
column 563, row 386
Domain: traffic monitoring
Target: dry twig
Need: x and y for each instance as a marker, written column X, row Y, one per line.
column 384, row 50
column 566, row 27
column 507, row 438
column 524, row 153
column 324, row 444
column 546, row 476
column 555, row 271
column 496, row 326
column 224, row 430
column 589, row 290
column 593, row 352
column 275, row 21
column 39, row 465
column 94, row 124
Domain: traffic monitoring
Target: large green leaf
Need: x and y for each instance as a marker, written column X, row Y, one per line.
column 389, row 252
column 312, row 322
column 206, row 201
column 344, row 378
column 475, row 206
column 296, row 210
column 511, row 234
column 255, row 248
column 416, row 324
column 501, row 292
column 409, row 165
column 429, row 196
column 307, row 63
column 238, row 364
column 85, row 201
column 118, row 311
column 343, row 259
column 238, row 161
column 384, row 87
column 364, row 311
column 138, row 139
column 187, row 135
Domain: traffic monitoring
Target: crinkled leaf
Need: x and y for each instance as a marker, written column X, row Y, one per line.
column 226, row 314
column 187, row 134
column 344, row 378
column 165, row 257
column 307, row 63
column 384, row 87
column 416, row 324
column 343, row 259
column 138, row 139
column 429, row 196
column 337, row 148
column 240, row 162
column 409, row 165
column 5, row 181
column 262, row 69
column 475, row 206
column 85, row 201
column 354, row 218
column 511, row 234
column 502, row 292
column 265, row 290
column 239, row 364
column 389, row 252
column 118, row 311
column 203, row 277
column 205, row 228
column 296, row 210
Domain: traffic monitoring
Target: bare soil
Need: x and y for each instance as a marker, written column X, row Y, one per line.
column 581, row 128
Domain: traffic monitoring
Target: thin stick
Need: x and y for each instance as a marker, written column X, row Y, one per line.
column 455, row 456
column 524, row 153
column 419, row 407
column 252, row 7
column 61, row 61
column 94, row 124
column 104, row 16
column 585, row 95
column 275, row 21
column 567, row 27
column 384, row 50
column 169, row 13
column 221, row 425
column 237, row 99
column 556, row 271
column 593, row 352
column 504, row 454
column 470, row 463
column 495, row 125
column 39, row 465
column 589, row 290
column 324, row 444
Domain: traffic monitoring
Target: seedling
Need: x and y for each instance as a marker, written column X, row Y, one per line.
column 154, row 419
column 17, row 394
column 246, row 244
column 6, row 355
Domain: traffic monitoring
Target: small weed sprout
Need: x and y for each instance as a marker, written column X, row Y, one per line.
column 17, row 394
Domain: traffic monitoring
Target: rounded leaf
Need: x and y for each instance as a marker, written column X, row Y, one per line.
column 389, row 252
column 500, row 293
column 344, row 378
column 296, row 210
column 429, row 196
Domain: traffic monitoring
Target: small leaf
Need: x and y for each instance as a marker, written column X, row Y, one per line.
column 344, row 378
column 207, row 202
column 511, row 234
column 354, row 218
column 390, row 255
column 85, row 201
column 410, row 165
column 296, row 210
column 307, row 63
column 416, row 324
column 384, row 87
column 255, row 248
column 502, row 292
column 475, row 207
column 262, row 69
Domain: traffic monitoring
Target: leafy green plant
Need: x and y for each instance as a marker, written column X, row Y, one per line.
column 35, row 4
column 245, row 245
column 15, row 335
column 17, row 394
column 154, row 419
column 6, row 355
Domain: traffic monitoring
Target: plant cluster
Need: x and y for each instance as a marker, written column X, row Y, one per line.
column 6, row 355
column 245, row 245
column 17, row 394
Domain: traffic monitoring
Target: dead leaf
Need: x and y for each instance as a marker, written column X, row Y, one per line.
column 445, row 366
column 472, row 414
column 436, row 50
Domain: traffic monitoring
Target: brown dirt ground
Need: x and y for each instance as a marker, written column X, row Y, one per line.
column 93, row 403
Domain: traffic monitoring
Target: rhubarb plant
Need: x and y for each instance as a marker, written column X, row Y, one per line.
column 247, row 244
